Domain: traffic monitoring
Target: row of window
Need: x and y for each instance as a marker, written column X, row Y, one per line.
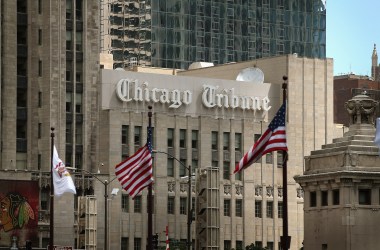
column 269, row 209
column 364, row 197
column 178, row 243
column 182, row 205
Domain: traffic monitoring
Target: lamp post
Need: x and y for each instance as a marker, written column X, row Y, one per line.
column 189, row 213
column 105, row 184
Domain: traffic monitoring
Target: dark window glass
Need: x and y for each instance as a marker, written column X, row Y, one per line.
column 324, row 198
column 258, row 210
column 137, row 204
column 125, row 203
column 238, row 208
column 313, row 199
column 280, row 209
column 170, row 205
column 269, row 209
column 336, row 197
column 227, row 207
column 364, row 196
column 170, row 137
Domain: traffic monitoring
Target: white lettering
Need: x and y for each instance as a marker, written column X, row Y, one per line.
column 130, row 90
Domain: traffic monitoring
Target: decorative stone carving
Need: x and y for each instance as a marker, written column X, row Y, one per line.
column 239, row 189
column 258, row 190
column 269, row 191
column 299, row 193
column 280, row 192
column 227, row 189
column 361, row 109
column 171, row 186
column 183, row 187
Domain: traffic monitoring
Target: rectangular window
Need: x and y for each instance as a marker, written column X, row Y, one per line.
column 258, row 213
column 170, row 167
column 137, row 244
column 313, row 199
column 194, row 139
column 39, row 99
column 256, row 137
column 170, row 137
column 280, row 159
column 125, row 203
column 194, row 166
column 44, row 198
column 335, row 197
column 183, row 205
column 239, row 208
column 238, row 176
column 227, row 245
column 39, row 130
column 324, row 198
column 78, row 103
column 39, row 7
column 137, row 204
column 214, row 140
column 365, row 196
column 269, row 209
column 226, row 141
column 137, row 136
column 227, row 207
column 226, row 170
column 182, row 138
column 280, row 209
column 270, row 245
column 171, row 205
column 124, row 243
column 238, row 142
column 39, row 68
column 239, row 245
column 39, row 36
column 124, row 134
column 182, row 169
column 39, row 161
column 269, row 158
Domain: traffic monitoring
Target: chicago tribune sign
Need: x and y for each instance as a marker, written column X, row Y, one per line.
column 129, row 90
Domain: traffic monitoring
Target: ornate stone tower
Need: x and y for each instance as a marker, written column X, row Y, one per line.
column 341, row 185
column 375, row 69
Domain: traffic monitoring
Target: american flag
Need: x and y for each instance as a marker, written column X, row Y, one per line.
column 273, row 139
column 135, row 173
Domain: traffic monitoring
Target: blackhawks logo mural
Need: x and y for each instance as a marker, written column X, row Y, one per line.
column 18, row 211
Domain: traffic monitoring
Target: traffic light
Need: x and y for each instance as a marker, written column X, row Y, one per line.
column 155, row 241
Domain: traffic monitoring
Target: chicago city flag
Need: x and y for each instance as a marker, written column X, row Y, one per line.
column 273, row 139
column 61, row 177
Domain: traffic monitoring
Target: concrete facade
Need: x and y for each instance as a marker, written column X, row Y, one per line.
column 341, row 185
column 310, row 88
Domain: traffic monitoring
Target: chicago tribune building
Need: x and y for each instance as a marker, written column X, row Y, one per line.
column 204, row 118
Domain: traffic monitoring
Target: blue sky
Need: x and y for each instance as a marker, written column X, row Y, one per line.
column 352, row 29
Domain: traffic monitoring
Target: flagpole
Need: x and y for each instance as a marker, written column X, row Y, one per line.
column 150, row 196
column 51, row 239
column 285, row 239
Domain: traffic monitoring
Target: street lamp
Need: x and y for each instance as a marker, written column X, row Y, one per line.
column 189, row 213
column 105, row 184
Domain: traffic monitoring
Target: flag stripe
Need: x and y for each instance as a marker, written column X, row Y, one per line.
column 273, row 139
column 135, row 173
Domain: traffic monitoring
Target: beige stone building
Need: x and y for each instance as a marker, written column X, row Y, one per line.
column 214, row 131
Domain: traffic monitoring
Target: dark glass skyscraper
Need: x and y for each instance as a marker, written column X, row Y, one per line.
column 175, row 33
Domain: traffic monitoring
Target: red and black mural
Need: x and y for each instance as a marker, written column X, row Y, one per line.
column 18, row 211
